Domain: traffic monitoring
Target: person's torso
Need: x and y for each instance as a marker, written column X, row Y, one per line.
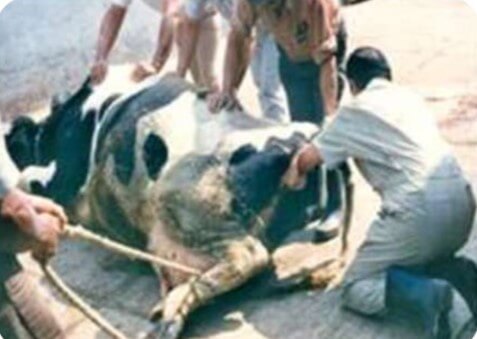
column 298, row 28
column 405, row 149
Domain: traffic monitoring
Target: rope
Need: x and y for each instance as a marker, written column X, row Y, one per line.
column 79, row 303
column 79, row 232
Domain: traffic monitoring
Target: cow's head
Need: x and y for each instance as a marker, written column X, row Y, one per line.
column 257, row 177
column 64, row 137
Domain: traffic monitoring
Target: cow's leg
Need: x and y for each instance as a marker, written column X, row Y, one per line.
column 242, row 260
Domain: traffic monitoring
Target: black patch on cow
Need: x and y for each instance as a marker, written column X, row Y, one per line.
column 155, row 155
column 114, row 219
column 21, row 141
column 242, row 154
column 255, row 181
column 66, row 137
column 290, row 212
column 118, row 131
column 106, row 104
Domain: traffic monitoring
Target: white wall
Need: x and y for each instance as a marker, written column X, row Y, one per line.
column 47, row 45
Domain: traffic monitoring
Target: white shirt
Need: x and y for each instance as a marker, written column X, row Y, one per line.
column 393, row 138
column 9, row 174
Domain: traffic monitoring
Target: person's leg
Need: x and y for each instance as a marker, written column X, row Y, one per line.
column 459, row 271
column 265, row 72
column 379, row 281
column 300, row 81
column 206, row 53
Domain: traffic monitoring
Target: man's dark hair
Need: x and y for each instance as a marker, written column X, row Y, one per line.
column 365, row 64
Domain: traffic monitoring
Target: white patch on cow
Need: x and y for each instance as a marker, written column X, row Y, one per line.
column 5, row 128
column 118, row 81
column 100, row 95
column 41, row 175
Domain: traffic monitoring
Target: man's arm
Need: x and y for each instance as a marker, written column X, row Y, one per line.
column 237, row 55
column 39, row 219
column 164, row 43
column 329, row 84
column 328, row 13
column 162, row 52
column 237, row 58
column 188, row 34
column 108, row 33
column 307, row 158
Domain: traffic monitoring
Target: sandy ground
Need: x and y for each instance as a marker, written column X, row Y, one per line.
column 433, row 47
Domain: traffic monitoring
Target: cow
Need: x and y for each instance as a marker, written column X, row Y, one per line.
column 154, row 169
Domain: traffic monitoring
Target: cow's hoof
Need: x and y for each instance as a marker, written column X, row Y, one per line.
column 165, row 330
column 170, row 329
column 156, row 313
column 293, row 283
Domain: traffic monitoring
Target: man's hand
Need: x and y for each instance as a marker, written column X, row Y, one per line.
column 49, row 230
column 304, row 161
column 39, row 219
column 142, row 71
column 98, row 72
column 222, row 100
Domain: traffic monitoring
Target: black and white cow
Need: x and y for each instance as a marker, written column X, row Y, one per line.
column 120, row 156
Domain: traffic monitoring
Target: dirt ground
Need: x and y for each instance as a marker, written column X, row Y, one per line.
column 433, row 47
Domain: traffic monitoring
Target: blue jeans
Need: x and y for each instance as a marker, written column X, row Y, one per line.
column 301, row 81
column 264, row 66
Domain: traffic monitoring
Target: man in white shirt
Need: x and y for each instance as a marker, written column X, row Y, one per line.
column 202, row 66
column 27, row 222
column 408, row 260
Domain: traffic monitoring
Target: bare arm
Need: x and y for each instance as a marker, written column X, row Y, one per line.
column 188, row 34
column 237, row 57
column 110, row 26
column 164, row 43
column 307, row 158
column 329, row 85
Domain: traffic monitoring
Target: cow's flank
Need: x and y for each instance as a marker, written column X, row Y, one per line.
column 117, row 135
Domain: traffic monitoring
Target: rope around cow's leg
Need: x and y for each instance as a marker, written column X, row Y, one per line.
column 79, row 232
column 79, row 303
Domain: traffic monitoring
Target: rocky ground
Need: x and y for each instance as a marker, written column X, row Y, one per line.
column 433, row 50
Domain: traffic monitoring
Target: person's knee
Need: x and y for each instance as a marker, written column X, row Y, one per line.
column 366, row 297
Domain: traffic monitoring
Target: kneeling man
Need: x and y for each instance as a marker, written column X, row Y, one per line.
column 408, row 261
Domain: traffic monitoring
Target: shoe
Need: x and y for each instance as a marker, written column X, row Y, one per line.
column 429, row 299
column 460, row 272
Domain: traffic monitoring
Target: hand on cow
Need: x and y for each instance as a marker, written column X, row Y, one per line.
column 304, row 161
column 98, row 72
column 142, row 71
column 223, row 100
column 40, row 220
